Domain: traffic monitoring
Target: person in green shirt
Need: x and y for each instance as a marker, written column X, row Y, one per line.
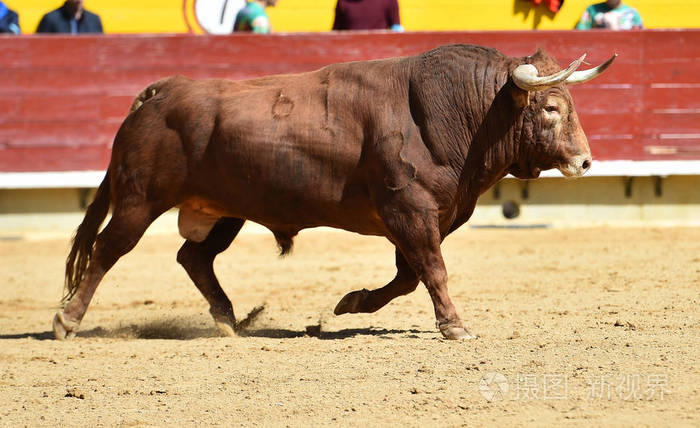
column 253, row 17
column 611, row 14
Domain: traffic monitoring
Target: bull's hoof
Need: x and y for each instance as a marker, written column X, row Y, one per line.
column 455, row 331
column 62, row 328
column 350, row 303
column 225, row 323
column 225, row 328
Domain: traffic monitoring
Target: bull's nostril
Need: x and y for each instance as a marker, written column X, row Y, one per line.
column 586, row 164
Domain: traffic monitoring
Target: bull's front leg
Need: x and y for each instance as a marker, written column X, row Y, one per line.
column 367, row 301
column 416, row 233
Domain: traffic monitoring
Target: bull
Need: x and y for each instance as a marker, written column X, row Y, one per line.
column 400, row 148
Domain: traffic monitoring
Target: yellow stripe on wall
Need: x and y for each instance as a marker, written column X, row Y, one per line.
column 177, row 16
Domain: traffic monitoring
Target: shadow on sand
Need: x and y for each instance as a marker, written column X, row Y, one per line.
column 347, row 333
column 167, row 331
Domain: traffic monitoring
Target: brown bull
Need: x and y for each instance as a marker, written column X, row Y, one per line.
column 400, row 148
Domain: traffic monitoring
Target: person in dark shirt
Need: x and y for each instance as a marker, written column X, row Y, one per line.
column 367, row 15
column 9, row 20
column 70, row 18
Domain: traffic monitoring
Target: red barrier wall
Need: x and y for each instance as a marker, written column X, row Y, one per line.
column 62, row 98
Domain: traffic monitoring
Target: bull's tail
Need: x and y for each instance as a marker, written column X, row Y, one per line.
column 84, row 239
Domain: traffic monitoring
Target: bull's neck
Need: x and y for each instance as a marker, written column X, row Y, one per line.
column 490, row 156
column 490, row 151
column 466, row 115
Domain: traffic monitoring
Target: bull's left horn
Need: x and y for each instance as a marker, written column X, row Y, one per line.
column 584, row 76
column 526, row 78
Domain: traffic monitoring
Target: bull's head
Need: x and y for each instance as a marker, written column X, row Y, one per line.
column 553, row 137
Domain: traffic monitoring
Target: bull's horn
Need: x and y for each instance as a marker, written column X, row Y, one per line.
column 525, row 76
column 586, row 75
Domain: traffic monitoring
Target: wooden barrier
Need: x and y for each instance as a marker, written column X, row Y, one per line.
column 62, row 98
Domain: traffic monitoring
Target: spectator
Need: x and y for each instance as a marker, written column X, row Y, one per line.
column 70, row 18
column 611, row 14
column 367, row 15
column 253, row 17
column 9, row 21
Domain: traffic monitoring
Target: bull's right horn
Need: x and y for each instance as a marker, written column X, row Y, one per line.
column 584, row 76
column 526, row 78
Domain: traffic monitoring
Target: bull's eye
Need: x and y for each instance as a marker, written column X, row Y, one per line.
column 552, row 114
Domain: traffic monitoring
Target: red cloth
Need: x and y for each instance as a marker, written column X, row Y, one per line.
column 366, row 14
column 553, row 5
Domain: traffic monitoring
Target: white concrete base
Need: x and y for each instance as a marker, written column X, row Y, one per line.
column 89, row 179
column 589, row 201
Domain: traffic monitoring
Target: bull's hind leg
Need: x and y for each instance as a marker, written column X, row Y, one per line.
column 367, row 301
column 198, row 260
column 121, row 234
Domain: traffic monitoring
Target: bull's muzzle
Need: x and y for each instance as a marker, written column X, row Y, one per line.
column 577, row 166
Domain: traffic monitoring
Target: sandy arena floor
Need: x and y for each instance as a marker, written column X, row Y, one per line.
column 582, row 327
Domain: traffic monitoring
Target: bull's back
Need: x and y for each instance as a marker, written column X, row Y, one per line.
column 279, row 138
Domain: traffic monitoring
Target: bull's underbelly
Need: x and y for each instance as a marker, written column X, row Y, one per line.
column 198, row 215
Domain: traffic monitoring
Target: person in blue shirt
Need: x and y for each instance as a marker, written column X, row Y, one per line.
column 70, row 18
column 9, row 20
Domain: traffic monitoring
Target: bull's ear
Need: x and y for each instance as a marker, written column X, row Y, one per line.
column 521, row 97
